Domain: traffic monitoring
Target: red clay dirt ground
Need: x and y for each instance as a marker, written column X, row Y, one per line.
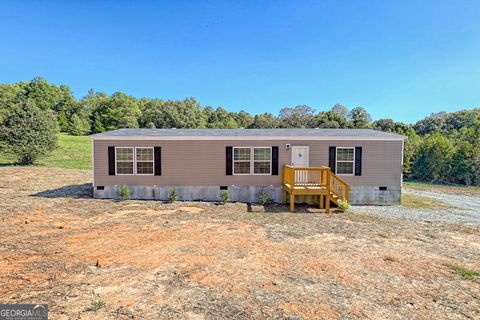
column 103, row 259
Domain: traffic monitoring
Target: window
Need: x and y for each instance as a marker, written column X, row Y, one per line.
column 262, row 160
column 244, row 163
column 241, row 160
column 129, row 161
column 345, row 161
column 124, row 160
column 144, row 158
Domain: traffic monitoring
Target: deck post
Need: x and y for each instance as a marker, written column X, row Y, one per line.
column 327, row 196
column 292, row 201
column 327, row 203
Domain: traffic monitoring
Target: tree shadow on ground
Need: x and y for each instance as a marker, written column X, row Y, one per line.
column 7, row 164
column 79, row 191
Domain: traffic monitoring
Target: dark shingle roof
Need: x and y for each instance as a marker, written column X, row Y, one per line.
column 343, row 133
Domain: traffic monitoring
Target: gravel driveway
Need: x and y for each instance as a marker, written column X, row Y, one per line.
column 463, row 209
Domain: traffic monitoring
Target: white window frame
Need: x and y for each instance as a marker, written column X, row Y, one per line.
column 152, row 161
column 117, row 161
column 336, row 161
column 233, row 161
column 252, row 166
column 251, row 161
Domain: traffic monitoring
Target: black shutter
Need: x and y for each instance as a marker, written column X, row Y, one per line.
column 111, row 161
column 358, row 161
column 274, row 161
column 158, row 160
column 229, row 159
column 332, row 158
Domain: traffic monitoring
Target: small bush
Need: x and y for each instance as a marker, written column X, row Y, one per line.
column 224, row 196
column 124, row 192
column 263, row 198
column 173, row 195
column 95, row 306
column 343, row 205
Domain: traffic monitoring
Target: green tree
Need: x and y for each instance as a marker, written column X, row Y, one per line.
column 48, row 96
column 434, row 160
column 443, row 122
column 461, row 163
column 340, row 110
column 387, row 125
column 220, row 118
column 118, row 111
column 298, row 117
column 244, row 119
column 98, row 126
column 475, row 165
column 187, row 113
column 359, row 118
column 9, row 94
column 78, row 126
column 28, row 133
column 410, row 150
column 264, row 121
column 328, row 119
column 433, row 123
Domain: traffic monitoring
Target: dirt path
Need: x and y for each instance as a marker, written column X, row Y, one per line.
column 101, row 259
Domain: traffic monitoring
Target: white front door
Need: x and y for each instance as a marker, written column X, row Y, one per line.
column 300, row 156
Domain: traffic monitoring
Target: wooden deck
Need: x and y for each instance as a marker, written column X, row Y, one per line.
column 313, row 181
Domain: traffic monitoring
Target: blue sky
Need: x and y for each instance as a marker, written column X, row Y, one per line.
column 398, row 59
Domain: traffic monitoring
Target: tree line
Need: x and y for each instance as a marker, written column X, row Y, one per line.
column 443, row 147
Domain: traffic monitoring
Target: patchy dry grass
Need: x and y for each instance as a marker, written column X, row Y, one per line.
column 95, row 306
column 102, row 259
column 453, row 189
column 411, row 201
column 465, row 272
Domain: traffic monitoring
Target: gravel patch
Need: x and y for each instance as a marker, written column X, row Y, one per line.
column 463, row 209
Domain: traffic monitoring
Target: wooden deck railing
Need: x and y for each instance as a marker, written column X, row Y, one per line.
column 339, row 187
column 306, row 177
column 316, row 177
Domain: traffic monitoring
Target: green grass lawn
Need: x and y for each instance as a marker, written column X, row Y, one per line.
column 73, row 152
column 421, row 185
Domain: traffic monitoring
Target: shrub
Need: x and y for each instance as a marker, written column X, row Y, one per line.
column 28, row 133
column 224, row 196
column 343, row 205
column 173, row 195
column 124, row 192
column 263, row 198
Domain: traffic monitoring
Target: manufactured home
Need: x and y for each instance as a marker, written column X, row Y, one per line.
column 361, row 166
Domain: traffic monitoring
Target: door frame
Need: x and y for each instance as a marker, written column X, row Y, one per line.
column 308, row 154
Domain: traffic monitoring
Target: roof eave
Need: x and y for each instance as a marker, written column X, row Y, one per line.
column 237, row 138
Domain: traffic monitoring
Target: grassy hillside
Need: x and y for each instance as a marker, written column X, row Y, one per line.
column 73, row 152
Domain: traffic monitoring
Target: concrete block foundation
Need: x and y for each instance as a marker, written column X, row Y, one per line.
column 363, row 195
column 192, row 193
column 359, row 195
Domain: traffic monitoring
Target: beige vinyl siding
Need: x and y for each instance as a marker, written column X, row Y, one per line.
column 202, row 162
